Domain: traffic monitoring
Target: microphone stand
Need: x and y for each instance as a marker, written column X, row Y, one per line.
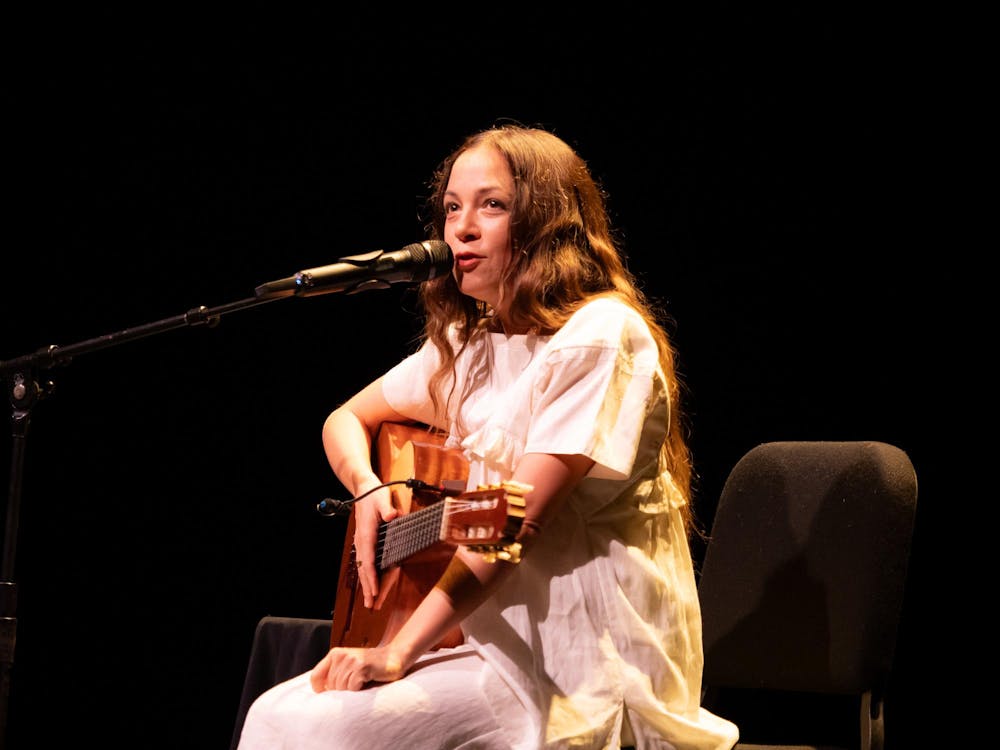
column 28, row 385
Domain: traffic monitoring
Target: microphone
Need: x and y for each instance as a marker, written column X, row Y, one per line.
column 328, row 506
column 420, row 261
column 331, row 507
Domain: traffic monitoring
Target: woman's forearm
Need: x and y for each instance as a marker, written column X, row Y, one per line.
column 466, row 583
column 347, row 443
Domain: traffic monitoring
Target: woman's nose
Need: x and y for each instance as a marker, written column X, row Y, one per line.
column 465, row 225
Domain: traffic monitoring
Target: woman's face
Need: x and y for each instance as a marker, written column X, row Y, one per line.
column 477, row 204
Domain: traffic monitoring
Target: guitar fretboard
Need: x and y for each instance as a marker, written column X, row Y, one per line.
column 409, row 534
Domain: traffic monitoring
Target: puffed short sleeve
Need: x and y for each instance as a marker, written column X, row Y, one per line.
column 596, row 389
column 405, row 386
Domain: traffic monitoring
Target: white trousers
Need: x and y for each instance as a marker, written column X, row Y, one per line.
column 439, row 705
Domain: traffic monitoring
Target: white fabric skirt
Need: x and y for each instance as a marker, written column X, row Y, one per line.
column 440, row 704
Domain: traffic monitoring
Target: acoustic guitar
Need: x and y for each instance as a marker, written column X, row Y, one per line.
column 422, row 540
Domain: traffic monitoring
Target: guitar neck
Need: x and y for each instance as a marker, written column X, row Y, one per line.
column 486, row 520
column 407, row 535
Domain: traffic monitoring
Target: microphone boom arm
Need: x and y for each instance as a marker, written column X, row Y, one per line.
column 21, row 377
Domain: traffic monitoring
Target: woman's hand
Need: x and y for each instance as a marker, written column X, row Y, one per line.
column 348, row 668
column 353, row 668
column 369, row 512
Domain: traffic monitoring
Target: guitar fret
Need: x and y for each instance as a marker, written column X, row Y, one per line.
column 409, row 534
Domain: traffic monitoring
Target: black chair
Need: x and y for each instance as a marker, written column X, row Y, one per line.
column 282, row 648
column 801, row 589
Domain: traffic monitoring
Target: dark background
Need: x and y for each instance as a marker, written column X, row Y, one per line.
column 758, row 171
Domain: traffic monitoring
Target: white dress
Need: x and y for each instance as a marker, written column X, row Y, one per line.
column 595, row 639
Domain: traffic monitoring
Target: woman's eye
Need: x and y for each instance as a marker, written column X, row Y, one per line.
column 450, row 207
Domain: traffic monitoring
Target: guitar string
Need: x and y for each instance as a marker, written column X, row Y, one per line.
column 419, row 528
column 416, row 531
column 424, row 517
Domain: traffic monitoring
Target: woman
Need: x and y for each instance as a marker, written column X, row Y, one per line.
column 544, row 364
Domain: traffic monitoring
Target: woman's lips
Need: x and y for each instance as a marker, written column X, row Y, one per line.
column 466, row 262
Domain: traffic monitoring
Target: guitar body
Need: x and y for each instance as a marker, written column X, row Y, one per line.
column 402, row 451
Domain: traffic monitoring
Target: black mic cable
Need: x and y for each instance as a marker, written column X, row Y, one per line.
column 331, row 507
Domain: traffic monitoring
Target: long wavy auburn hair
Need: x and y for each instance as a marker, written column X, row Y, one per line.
column 563, row 255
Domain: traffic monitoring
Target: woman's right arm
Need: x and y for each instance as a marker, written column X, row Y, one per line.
column 347, row 440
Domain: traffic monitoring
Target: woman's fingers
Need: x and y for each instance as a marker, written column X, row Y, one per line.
column 370, row 512
column 351, row 669
column 317, row 678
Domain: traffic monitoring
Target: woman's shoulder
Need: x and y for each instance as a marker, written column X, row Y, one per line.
column 606, row 304
column 606, row 324
column 607, row 315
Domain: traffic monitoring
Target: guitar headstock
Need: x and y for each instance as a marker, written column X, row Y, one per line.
column 487, row 520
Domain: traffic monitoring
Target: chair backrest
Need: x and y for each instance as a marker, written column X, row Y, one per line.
column 803, row 575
